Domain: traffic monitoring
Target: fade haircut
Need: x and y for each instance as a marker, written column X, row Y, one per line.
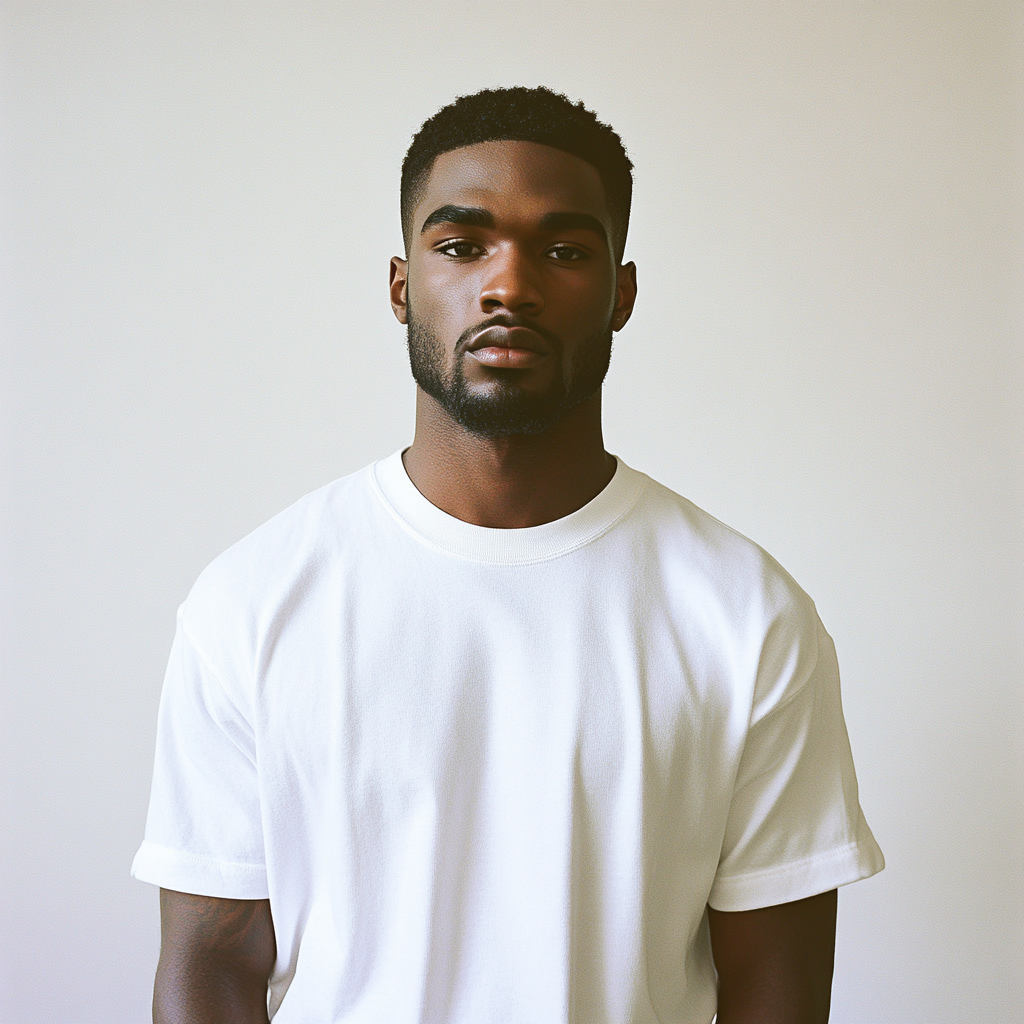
column 522, row 115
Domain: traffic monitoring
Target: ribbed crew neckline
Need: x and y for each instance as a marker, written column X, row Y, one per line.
column 504, row 547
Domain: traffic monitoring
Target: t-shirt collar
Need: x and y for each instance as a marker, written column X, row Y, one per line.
column 511, row 547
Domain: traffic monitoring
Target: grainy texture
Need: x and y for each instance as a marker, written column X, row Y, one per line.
column 775, row 964
column 216, row 956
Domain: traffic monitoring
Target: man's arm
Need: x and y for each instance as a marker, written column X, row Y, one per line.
column 775, row 964
column 216, row 956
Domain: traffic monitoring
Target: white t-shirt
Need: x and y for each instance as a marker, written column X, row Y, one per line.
column 495, row 776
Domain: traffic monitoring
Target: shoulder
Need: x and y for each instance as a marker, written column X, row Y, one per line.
column 239, row 593
column 708, row 554
column 746, row 602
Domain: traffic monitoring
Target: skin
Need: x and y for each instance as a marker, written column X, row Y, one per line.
column 518, row 257
column 518, row 267
column 775, row 964
column 216, row 956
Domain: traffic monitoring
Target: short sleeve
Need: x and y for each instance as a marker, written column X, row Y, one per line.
column 204, row 830
column 795, row 826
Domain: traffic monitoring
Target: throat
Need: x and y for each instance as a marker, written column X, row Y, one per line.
column 509, row 482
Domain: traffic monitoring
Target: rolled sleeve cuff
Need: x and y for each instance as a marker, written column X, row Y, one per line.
column 199, row 875
column 799, row 879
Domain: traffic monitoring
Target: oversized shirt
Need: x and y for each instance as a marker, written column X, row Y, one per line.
column 499, row 775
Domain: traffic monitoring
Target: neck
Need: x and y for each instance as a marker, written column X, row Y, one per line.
column 509, row 482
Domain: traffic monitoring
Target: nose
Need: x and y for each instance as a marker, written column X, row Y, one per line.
column 509, row 283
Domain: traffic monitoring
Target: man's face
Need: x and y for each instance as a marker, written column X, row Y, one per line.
column 511, row 290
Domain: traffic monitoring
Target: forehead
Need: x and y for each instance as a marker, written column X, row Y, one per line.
column 513, row 178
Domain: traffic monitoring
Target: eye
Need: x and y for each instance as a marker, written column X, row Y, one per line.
column 459, row 250
column 566, row 253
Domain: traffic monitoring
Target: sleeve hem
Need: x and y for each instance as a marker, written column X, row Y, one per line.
column 800, row 879
column 199, row 875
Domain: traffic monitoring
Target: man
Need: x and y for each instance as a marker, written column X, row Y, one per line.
column 499, row 730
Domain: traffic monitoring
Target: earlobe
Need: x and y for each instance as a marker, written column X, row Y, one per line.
column 398, row 287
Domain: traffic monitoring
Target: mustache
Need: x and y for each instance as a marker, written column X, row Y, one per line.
column 509, row 320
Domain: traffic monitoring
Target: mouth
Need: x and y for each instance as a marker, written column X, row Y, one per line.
column 508, row 348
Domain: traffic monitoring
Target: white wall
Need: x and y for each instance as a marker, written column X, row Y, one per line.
column 199, row 202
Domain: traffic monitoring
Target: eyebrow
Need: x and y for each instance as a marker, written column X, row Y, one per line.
column 474, row 215
column 570, row 221
column 481, row 218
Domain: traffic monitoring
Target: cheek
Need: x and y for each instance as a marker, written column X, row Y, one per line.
column 584, row 302
column 444, row 300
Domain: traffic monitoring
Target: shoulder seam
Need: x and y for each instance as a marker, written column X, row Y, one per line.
column 213, row 672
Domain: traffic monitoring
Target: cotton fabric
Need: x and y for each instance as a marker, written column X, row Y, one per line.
column 498, row 775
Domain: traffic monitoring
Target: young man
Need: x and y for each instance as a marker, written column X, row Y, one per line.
column 499, row 730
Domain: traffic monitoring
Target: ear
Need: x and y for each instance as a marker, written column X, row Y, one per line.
column 625, row 296
column 399, row 288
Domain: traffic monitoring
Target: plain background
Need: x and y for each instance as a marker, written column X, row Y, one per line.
column 199, row 203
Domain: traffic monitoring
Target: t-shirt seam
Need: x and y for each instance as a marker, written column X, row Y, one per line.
column 781, row 569
column 782, row 705
column 835, row 853
column 561, row 553
column 200, row 858
column 751, row 724
column 213, row 672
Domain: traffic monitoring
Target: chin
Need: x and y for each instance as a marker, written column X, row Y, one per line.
column 501, row 408
column 509, row 413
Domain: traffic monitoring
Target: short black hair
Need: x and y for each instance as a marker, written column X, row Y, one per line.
column 522, row 115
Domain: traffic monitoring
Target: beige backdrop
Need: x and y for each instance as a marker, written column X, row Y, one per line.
column 199, row 203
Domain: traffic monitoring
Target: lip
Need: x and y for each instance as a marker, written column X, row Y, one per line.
column 500, row 336
column 508, row 348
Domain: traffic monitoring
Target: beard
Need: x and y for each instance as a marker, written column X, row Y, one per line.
column 506, row 409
